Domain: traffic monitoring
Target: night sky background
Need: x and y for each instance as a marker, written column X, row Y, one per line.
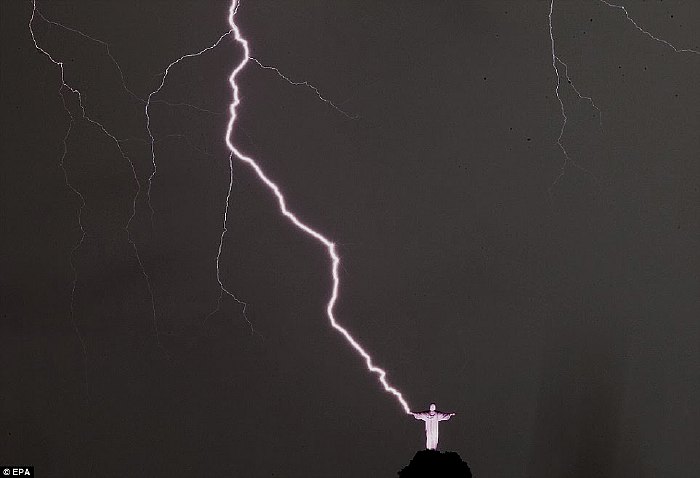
column 558, row 316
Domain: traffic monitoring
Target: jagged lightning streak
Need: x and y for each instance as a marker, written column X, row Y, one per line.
column 306, row 84
column 555, row 60
column 655, row 38
column 274, row 188
column 69, row 185
column 76, row 246
column 576, row 90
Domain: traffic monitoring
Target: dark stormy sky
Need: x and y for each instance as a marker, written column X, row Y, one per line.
column 556, row 310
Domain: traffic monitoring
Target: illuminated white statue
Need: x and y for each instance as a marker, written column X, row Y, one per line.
column 431, row 419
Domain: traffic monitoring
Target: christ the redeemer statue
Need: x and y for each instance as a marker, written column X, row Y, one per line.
column 431, row 419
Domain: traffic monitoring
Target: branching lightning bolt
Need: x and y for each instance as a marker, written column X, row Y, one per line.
column 556, row 60
column 335, row 261
column 565, row 119
column 275, row 189
column 69, row 185
column 329, row 245
column 116, row 141
column 148, row 102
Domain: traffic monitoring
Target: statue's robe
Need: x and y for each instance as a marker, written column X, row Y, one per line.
column 431, row 420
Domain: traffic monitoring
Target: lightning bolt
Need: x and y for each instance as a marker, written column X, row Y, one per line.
column 150, row 100
column 556, row 60
column 234, row 153
column 308, row 230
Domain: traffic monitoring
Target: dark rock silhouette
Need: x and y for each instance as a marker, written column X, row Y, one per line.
column 435, row 464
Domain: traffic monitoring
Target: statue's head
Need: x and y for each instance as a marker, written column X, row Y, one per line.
column 432, row 407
